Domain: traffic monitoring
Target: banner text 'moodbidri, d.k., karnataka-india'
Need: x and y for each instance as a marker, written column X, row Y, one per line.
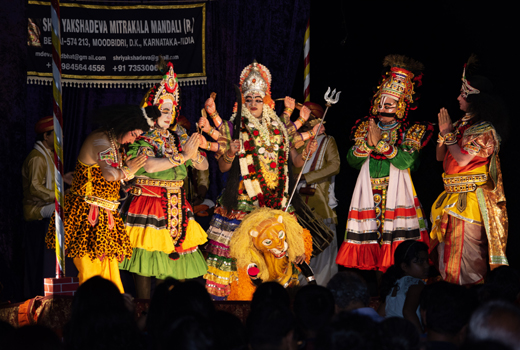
column 109, row 46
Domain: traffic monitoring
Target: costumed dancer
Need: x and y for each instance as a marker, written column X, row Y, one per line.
column 163, row 234
column 316, row 188
column 266, row 246
column 385, row 210
column 469, row 218
column 95, row 234
column 259, row 177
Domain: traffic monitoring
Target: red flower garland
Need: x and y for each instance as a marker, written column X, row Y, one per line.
column 268, row 198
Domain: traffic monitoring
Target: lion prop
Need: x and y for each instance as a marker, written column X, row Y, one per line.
column 265, row 246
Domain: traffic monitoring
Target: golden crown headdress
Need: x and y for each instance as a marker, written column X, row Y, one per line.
column 398, row 83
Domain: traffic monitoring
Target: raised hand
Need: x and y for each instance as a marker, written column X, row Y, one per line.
column 210, row 106
column 374, row 133
column 136, row 163
column 289, row 102
column 312, row 146
column 445, row 124
column 191, row 146
column 234, row 147
column 317, row 130
column 305, row 112
column 203, row 143
column 204, row 124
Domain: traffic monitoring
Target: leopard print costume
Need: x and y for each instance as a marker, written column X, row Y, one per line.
column 81, row 237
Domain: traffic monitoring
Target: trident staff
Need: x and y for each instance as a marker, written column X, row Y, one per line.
column 331, row 99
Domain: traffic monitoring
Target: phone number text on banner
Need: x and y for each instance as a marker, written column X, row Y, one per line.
column 114, row 46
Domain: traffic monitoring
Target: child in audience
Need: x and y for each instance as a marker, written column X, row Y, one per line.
column 403, row 282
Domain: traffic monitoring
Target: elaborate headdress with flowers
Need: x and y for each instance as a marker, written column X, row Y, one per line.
column 256, row 78
column 165, row 91
column 398, row 84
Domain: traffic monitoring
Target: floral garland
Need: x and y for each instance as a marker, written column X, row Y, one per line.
column 250, row 167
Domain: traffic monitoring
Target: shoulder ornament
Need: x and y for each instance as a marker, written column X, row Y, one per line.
column 360, row 132
column 418, row 135
column 109, row 156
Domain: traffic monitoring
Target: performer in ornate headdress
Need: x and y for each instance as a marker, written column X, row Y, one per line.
column 384, row 210
column 95, row 234
column 163, row 233
column 469, row 218
column 259, row 176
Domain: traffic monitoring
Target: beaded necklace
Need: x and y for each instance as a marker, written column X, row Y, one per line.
column 386, row 126
column 118, row 159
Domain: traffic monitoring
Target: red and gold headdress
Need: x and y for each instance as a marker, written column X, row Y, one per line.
column 398, row 84
column 165, row 91
column 257, row 78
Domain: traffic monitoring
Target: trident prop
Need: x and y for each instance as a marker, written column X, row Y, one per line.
column 331, row 100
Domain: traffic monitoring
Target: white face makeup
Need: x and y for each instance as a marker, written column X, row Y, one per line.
column 167, row 115
column 255, row 103
column 387, row 105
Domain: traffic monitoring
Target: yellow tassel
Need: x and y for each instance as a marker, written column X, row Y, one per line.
column 195, row 235
column 88, row 189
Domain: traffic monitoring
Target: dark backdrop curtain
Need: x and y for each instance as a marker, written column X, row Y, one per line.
column 237, row 32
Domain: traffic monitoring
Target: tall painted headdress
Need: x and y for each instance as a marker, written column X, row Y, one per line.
column 256, row 78
column 165, row 92
column 398, row 83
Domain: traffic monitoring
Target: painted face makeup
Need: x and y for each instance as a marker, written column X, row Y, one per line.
column 255, row 103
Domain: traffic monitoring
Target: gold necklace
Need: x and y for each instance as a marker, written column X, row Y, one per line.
column 113, row 143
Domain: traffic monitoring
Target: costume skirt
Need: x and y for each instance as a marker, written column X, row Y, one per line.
column 164, row 239
column 221, row 267
column 384, row 212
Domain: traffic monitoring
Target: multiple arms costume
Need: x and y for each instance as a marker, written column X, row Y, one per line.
column 263, row 178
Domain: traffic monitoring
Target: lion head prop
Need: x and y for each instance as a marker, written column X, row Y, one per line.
column 264, row 246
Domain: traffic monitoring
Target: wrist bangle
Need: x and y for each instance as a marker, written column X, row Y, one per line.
column 450, row 138
column 177, row 159
column 208, row 147
column 211, row 129
column 311, row 133
column 213, row 115
column 288, row 110
column 126, row 171
column 199, row 159
column 440, row 140
column 228, row 159
column 301, row 120
column 382, row 147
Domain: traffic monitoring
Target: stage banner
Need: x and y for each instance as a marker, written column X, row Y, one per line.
column 117, row 46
